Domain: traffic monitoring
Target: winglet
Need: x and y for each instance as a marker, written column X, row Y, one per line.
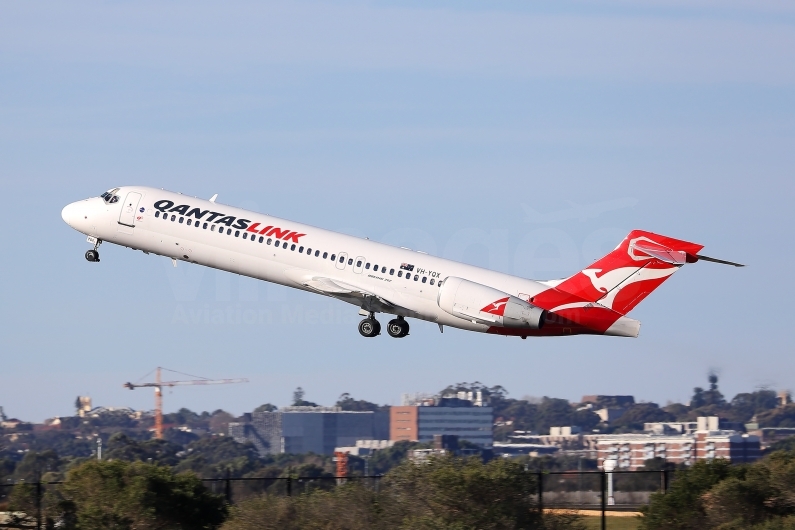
column 212, row 199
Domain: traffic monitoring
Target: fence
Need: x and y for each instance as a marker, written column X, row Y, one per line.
column 569, row 490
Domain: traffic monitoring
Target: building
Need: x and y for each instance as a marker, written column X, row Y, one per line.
column 309, row 429
column 365, row 447
column 469, row 419
column 632, row 450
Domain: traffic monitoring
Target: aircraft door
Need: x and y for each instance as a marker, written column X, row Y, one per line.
column 358, row 265
column 342, row 257
column 129, row 209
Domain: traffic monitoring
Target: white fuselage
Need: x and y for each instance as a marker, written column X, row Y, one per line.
column 237, row 240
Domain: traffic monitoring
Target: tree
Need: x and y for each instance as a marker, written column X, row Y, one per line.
column 682, row 506
column 346, row 402
column 122, row 447
column 298, row 399
column 780, row 417
column 127, row 495
column 78, row 406
column 3, row 416
column 212, row 456
column 638, row 414
column 553, row 412
column 444, row 493
column 267, row 407
column 745, row 405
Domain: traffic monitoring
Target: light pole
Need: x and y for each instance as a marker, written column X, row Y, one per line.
column 609, row 466
column 99, row 448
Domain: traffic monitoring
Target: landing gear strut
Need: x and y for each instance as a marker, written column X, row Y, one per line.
column 93, row 255
column 397, row 328
column 370, row 327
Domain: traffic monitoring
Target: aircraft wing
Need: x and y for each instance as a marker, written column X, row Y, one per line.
column 365, row 298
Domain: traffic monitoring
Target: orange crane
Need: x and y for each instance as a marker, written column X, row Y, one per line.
column 159, row 384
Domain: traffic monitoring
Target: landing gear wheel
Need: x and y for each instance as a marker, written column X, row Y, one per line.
column 397, row 328
column 92, row 255
column 369, row 327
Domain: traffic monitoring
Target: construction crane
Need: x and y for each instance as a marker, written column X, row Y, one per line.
column 159, row 384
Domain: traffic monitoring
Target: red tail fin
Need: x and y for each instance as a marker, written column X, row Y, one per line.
column 623, row 278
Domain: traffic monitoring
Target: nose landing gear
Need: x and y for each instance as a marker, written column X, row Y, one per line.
column 397, row 328
column 93, row 255
column 370, row 327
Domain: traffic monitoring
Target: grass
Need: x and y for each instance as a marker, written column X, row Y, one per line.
column 613, row 523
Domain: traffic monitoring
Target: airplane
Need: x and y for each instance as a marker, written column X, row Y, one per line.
column 379, row 278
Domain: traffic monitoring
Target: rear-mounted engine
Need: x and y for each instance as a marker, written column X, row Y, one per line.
column 485, row 305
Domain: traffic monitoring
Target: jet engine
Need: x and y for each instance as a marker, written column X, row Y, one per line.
column 485, row 305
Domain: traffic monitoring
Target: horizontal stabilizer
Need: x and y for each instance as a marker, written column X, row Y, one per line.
column 715, row 260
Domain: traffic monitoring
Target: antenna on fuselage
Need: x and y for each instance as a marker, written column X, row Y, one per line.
column 212, row 199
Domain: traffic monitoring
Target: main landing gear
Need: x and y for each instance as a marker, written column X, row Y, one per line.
column 397, row 328
column 370, row 327
column 93, row 255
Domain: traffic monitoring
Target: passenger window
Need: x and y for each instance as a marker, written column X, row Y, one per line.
column 189, row 222
column 301, row 250
column 237, row 233
column 416, row 277
column 391, row 271
column 269, row 241
column 440, row 283
column 317, row 253
column 261, row 239
column 367, row 266
column 383, row 270
column 212, row 228
column 358, row 263
column 204, row 227
column 245, row 235
column 173, row 218
column 350, row 261
column 157, row 213
column 181, row 219
column 333, row 256
column 292, row 247
column 400, row 274
column 309, row 251
column 424, row 278
column 433, row 281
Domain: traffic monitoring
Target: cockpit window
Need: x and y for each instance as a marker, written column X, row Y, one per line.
column 110, row 196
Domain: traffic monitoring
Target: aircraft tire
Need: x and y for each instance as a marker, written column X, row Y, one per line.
column 92, row 255
column 369, row 327
column 397, row 328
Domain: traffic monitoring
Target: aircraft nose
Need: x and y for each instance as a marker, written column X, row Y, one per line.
column 71, row 214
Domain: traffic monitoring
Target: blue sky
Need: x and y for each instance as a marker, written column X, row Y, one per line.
column 428, row 125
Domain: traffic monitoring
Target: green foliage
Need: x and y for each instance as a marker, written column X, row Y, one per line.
column 385, row 459
column 213, row 456
column 780, row 417
column 346, row 402
column 123, row 495
column 298, row 399
column 122, row 447
column 36, row 464
column 638, row 414
column 443, row 494
column 682, row 506
column 715, row 495
column 267, row 407
column 787, row 444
